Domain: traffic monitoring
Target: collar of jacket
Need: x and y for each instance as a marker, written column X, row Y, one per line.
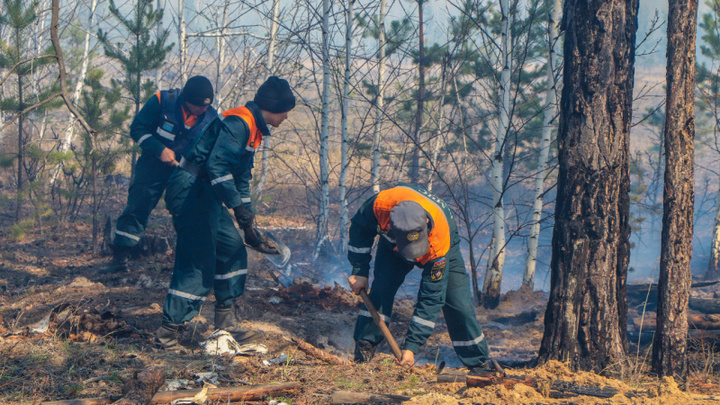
column 259, row 120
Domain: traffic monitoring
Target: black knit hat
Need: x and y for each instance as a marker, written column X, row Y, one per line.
column 275, row 96
column 198, row 91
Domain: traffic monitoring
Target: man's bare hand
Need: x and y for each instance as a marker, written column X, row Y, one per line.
column 408, row 358
column 358, row 283
column 167, row 156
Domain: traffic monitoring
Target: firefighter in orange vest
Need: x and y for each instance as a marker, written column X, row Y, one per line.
column 416, row 229
column 214, row 174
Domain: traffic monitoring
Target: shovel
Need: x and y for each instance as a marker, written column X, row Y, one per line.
column 381, row 324
column 270, row 245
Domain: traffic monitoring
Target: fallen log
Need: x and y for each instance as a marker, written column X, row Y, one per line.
column 320, row 354
column 480, row 381
column 590, row 390
column 485, row 379
column 142, row 387
column 705, row 305
column 349, row 397
column 248, row 393
column 85, row 401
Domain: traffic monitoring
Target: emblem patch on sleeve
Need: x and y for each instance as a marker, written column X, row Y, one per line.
column 437, row 270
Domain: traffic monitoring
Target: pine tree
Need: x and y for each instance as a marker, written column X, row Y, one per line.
column 143, row 54
column 16, row 56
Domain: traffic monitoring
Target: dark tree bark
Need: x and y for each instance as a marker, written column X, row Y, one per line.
column 670, row 343
column 585, row 321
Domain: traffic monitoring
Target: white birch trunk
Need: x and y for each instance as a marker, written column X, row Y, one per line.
column 220, row 43
column 265, row 166
column 182, row 40
column 344, row 216
column 158, row 72
column 380, row 103
column 493, row 276
column 322, row 231
column 548, row 126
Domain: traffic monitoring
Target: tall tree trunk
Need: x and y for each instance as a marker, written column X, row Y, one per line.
column 417, row 135
column 441, row 119
column 21, row 145
column 586, row 316
column 493, row 276
column 345, row 105
column 380, row 102
column 159, row 31
column 322, row 229
column 182, row 41
column 542, row 171
column 265, row 166
column 670, row 343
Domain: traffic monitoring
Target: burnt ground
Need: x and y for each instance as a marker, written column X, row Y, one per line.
column 68, row 332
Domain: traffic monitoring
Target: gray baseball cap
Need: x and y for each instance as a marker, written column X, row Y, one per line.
column 409, row 227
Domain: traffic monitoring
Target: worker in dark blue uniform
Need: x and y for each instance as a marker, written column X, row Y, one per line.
column 165, row 128
column 214, row 176
column 416, row 229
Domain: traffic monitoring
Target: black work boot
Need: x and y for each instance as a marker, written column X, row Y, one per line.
column 364, row 351
column 119, row 262
column 167, row 335
column 226, row 320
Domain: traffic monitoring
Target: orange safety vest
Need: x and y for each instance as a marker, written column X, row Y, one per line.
column 190, row 120
column 439, row 236
column 255, row 138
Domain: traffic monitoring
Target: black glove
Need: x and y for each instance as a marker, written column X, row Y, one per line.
column 253, row 237
column 244, row 217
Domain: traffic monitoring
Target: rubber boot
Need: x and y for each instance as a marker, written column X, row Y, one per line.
column 364, row 351
column 167, row 335
column 119, row 262
column 226, row 320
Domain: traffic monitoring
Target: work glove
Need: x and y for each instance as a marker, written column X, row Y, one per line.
column 254, row 238
column 244, row 217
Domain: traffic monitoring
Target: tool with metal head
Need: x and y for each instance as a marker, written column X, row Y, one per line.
column 381, row 324
column 277, row 253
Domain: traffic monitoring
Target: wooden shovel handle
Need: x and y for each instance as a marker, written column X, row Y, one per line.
column 381, row 324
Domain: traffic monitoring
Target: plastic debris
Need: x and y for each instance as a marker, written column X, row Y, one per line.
column 222, row 342
column 275, row 300
column 281, row 359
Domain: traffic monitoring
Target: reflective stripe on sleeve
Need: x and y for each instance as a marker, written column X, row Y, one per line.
column 241, row 272
column 463, row 343
column 246, row 200
column 250, row 149
column 127, row 235
column 165, row 134
column 359, row 250
column 221, row 179
column 367, row 314
column 144, row 137
column 423, row 322
column 186, row 295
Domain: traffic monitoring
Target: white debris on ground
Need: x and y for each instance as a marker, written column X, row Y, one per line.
column 221, row 342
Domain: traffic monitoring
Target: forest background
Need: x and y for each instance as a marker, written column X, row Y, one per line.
column 413, row 93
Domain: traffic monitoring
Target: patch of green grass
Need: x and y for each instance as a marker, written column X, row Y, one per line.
column 345, row 383
column 411, row 383
column 74, row 389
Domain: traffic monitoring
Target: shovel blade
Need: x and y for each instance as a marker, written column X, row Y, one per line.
column 283, row 258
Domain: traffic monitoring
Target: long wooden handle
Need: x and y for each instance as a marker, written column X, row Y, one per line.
column 381, row 324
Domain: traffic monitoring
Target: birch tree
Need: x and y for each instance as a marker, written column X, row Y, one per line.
column 549, row 113
column 379, row 99
column 493, row 276
column 324, row 214
column 265, row 166
column 345, row 105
